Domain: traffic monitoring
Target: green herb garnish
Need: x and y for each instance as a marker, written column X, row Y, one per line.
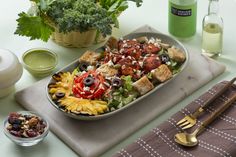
column 70, row 15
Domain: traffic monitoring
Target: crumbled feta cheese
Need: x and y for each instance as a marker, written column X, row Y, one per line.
column 86, row 89
column 121, row 50
column 106, row 84
column 138, row 72
column 151, row 40
column 110, row 63
column 107, row 49
column 141, row 64
column 101, row 86
column 157, row 44
column 133, row 62
column 125, row 45
column 108, row 78
column 90, row 67
column 123, row 67
column 114, row 59
column 168, row 63
column 83, row 72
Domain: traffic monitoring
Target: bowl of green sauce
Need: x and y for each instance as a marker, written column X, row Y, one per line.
column 40, row 61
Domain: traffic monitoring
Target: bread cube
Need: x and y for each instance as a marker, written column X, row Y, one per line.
column 143, row 85
column 162, row 73
column 142, row 39
column 107, row 70
column 90, row 57
column 112, row 42
column 176, row 54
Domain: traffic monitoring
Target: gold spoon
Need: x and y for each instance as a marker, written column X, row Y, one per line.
column 190, row 140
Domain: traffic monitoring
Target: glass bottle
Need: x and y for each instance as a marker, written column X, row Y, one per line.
column 182, row 18
column 212, row 31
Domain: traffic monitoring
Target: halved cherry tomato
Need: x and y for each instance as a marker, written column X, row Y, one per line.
column 151, row 48
column 150, row 63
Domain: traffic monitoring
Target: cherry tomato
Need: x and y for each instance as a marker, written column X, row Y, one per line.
column 151, row 63
column 151, row 48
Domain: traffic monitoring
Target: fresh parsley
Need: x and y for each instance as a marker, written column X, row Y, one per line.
column 33, row 27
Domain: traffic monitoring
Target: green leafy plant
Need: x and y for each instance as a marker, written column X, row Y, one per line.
column 116, row 7
column 70, row 15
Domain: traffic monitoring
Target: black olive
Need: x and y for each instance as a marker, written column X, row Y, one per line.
column 51, row 85
column 116, row 82
column 60, row 95
column 88, row 81
column 83, row 66
column 57, row 76
column 164, row 58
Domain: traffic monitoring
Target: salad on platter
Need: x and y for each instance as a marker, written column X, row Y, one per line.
column 123, row 71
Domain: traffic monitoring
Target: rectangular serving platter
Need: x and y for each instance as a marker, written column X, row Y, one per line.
column 164, row 38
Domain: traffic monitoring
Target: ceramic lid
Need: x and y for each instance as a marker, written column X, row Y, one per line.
column 10, row 68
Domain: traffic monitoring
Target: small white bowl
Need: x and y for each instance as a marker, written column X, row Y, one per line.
column 26, row 141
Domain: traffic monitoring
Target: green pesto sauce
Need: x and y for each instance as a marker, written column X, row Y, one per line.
column 39, row 59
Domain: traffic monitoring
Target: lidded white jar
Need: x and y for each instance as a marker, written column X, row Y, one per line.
column 10, row 71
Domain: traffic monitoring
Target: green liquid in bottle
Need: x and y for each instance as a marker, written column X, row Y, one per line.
column 212, row 40
column 182, row 20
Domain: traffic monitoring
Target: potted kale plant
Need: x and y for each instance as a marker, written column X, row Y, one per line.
column 71, row 23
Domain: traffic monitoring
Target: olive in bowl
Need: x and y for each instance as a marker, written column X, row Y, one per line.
column 26, row 128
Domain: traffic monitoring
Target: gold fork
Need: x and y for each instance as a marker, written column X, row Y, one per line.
column 190, row 120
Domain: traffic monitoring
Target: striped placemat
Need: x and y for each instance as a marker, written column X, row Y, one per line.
column 218, row 139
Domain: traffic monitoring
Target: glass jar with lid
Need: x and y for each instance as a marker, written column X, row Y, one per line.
column 212, row 31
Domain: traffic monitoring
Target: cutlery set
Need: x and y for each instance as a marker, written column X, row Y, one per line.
column 189, row 139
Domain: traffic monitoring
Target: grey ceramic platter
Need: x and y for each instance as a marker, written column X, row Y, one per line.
column 164, row 38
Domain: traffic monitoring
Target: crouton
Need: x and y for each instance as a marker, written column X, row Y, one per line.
column 142, row 39
column 162, row 73
column 112, row 43
column 143, row 85
column 90, row 57
column 107, row 70
column 176, row 54
column 164, row 45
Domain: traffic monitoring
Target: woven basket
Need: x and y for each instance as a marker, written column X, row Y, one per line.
column 77, row 39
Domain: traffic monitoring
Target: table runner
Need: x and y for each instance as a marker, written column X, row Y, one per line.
column 91, row 138
column 218, row 139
